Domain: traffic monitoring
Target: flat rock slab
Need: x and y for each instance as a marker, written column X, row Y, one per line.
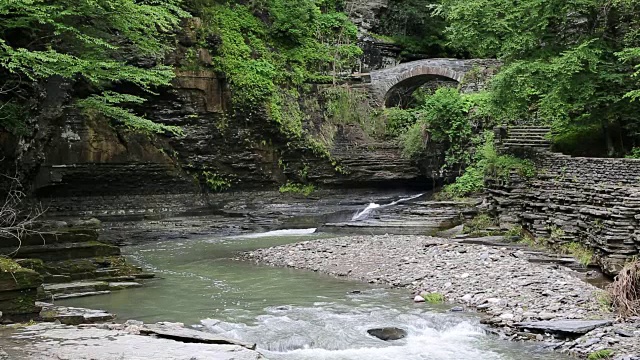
column 190, row 336
column 48, row 341
column 76, row 287
column 80, row 294
column 570, row 327
column 73, row 315
column 123, row 285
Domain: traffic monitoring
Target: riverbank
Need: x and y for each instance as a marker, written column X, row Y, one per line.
column 515, row 294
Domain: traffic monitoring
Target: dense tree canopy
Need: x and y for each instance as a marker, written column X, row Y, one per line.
column 100, row 42
column 567, row 63
column 571, row 64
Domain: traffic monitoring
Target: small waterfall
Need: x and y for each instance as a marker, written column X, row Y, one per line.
column 364, row 214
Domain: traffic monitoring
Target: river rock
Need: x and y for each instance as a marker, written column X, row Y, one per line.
column 418, row 299
column 388, row 333
column 564, row 327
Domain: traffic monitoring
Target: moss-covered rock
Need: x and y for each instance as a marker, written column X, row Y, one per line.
column 18, row 288
column 15, row 277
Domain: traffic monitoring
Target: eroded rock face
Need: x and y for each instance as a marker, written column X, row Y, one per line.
column 86, row 162
column 592, row 201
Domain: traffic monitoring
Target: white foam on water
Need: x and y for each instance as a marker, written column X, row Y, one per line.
column 334, row 331
column 283, row 232
column 364, row 214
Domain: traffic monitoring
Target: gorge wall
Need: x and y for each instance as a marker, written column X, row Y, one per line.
column 594, row 201
column 82, row 164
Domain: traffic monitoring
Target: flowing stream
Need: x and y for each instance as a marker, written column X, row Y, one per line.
column 294, row 314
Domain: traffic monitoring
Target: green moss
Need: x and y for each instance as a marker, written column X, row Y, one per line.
column 294, row 188
column 433, row 298
column 479, row 225
column 8, row 265
column 583, row 254
column 515, row 231
column 601, row 354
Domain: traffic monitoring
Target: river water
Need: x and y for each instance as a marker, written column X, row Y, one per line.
column 294, row 314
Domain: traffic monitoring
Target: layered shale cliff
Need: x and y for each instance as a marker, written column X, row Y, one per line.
column 593, row 201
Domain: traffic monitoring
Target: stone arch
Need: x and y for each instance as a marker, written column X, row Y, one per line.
column 410, row 73
column 400, row 93
column 406, row 82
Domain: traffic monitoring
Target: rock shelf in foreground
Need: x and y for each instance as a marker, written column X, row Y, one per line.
column 49, row 341
column 498, row 281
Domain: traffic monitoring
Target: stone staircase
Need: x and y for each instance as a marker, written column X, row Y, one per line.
column 527, row 137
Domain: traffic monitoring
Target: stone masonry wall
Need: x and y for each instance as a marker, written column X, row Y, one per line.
column 593, row 201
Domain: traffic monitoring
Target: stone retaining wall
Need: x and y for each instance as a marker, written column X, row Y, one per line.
column 593, row 201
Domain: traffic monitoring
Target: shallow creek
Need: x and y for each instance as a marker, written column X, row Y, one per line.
column 293, row 314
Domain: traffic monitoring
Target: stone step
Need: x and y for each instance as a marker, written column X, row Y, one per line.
column 72, row 315
column 54, row 237
column 531, row 141
column 528, row 131
column 527, row 140
column 527, row 135
column 80, row 294
column 63, row 251
column 526, row 143
column 524, row 127
column 76, row 287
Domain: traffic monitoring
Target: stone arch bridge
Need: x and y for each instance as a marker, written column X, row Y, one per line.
column 388, row 86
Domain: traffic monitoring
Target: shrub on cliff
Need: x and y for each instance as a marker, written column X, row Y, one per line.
column 487, row 163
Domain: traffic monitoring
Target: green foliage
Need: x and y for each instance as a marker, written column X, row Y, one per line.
column 91, row 41
column 442, row 118
column 301, row 41
column 514, row 232
column 416, row 28
column 216, row 182
column 294, row 188
column 583, row 254
column 570, row 64
column 347, row 106
column 600, row 354
column 470, row 182
column 634, row 154
column 106, row 104
column 398, row 121
column 487, row 163
column 12, row 117
column 270, row 49
column 479, row 223
column 433, row 298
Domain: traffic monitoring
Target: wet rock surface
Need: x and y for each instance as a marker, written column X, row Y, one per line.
column 180, row 333
column 388, row 333
column 501, row 282
column 50, row 341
